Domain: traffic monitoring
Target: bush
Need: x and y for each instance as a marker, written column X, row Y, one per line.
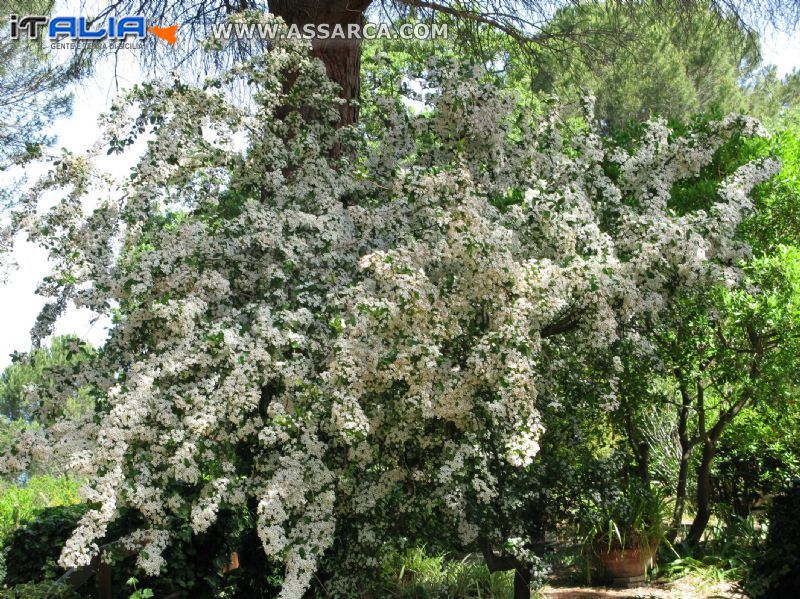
column 757, row 457
column 727, row 555
column 21, row 503
column 32, row 550
column 39, row 590
column 776, row 571
column 194, row 562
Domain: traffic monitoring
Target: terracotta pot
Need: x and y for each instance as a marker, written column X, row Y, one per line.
column 627, row 567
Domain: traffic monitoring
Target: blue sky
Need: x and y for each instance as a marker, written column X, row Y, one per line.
column 19, row 303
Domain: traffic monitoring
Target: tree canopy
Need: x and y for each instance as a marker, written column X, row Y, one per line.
column 669, row 66
column 32, row 88
column 527, row 23
column 58, row 360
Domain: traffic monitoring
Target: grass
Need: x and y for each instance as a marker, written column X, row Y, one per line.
column 415, row 574
column 725, row 556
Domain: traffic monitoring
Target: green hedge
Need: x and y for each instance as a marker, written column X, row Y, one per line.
column 776, row 571
column 21, row 503
column 39, row 590
column 194, row 562
column 32, row 550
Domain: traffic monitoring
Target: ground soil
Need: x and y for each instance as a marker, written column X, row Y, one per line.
column 685, row 588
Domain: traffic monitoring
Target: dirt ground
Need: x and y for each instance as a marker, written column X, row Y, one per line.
column 685, row 588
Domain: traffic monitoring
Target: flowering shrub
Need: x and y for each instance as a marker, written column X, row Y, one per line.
column 352, row 332
column 195, row 561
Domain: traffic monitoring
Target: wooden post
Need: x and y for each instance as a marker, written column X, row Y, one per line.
column 233, row 563
column 103, row 580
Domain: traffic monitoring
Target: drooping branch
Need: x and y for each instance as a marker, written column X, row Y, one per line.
column 458, row 11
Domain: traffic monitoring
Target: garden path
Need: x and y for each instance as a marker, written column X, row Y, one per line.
column 685, row 588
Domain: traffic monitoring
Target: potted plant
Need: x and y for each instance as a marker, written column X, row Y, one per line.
column 623, row 530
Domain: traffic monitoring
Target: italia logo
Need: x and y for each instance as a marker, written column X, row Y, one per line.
column 81, row 28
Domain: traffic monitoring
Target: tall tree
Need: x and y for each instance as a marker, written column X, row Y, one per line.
column 36, row 369
column 524, row 21
column 32, row 87
column 659, row 64
column 727, row 349
column 774, row 99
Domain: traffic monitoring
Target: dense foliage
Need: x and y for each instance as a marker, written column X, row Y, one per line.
column 639, row 64
column 32, row 550
column 669, row 66
column 196, row 562
column 41, row 367
column 39, row 590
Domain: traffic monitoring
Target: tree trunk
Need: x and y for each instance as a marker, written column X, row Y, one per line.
column 683, row 466
column 680, row 495
column 703, row 494
column 522, row 584
column 505, row 562
column 644, row 464
column 341, row 57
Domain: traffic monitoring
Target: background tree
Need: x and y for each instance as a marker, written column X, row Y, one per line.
column 757, row 458
column 638, row 63
column 659, row 63
column 744, row 353
column 18, row 381
column 774, row 100
column 32, row 87
column 729, row 349
column 523, row 21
